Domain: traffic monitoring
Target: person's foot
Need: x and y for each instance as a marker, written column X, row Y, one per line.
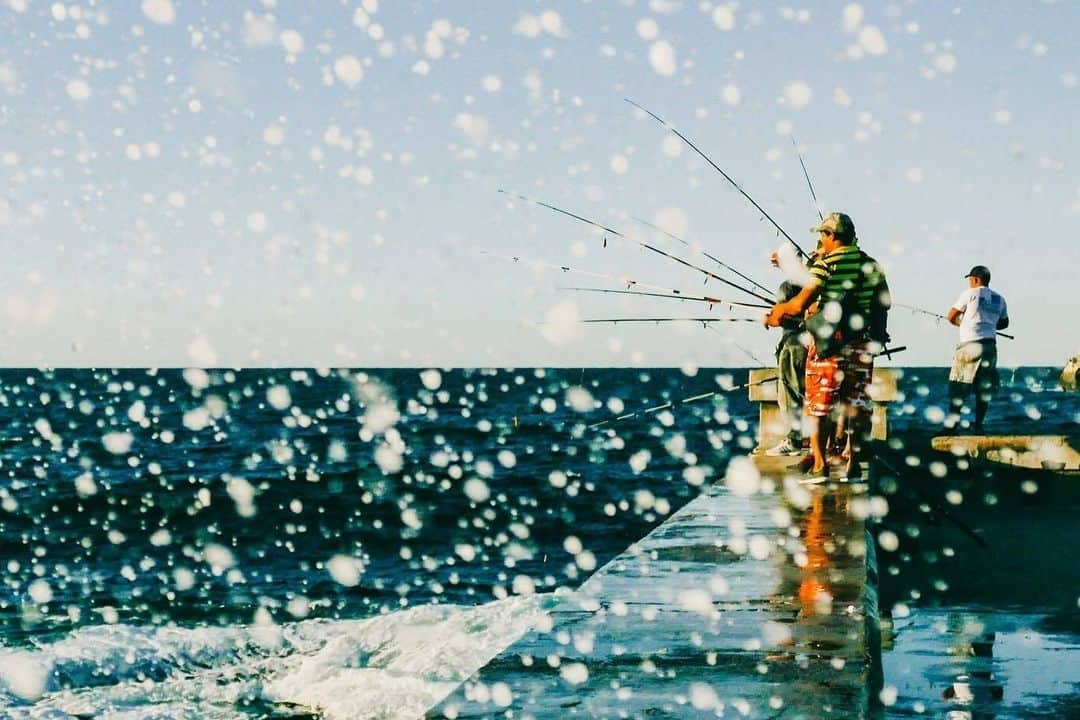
column 850, row 473
column 815, row 476
column 786, row 447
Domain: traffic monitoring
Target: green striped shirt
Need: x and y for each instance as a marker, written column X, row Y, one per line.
column 848, row 269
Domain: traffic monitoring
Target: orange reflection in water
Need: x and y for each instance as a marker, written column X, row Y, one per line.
column 814, row 595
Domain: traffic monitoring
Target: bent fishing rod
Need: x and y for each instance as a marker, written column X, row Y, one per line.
column 727, row 177
column 697, row 298
column 704, row 396
column 673, row 403
column 662, row 291
column 716, row 260
column 939, row 316
column 888, row 351
column 964, row 527
column 647, row 246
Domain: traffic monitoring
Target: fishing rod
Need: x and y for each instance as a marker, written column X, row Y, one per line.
column 817, row 205
column 704, row 396
column 716, row 260
column 697, row 298
column 673, row 293
column 751, row 355
column 939, row 316
column 726, row 176
column 673, row 403
column 647, row 246
column 967, row 529
column 889, row 352
column 663, row 291
column 702, row 320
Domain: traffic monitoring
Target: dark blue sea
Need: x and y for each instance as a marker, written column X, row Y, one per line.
column 210, row 544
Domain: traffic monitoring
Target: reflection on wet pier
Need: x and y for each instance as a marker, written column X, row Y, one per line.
column 982, row 664
column 751, row 600
column 978, row 565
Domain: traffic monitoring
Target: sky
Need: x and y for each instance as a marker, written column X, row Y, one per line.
column 284, row 183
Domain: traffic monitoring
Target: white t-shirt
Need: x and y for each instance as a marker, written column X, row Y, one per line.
column 981, row 309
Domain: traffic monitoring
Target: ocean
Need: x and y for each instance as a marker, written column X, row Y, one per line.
column 257, row 543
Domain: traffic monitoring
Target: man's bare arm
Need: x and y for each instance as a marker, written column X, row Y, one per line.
column 954, row 316
column 794, row 307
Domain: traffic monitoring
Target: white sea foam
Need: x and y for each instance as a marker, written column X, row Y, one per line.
column 399, row 665
column 390, row 666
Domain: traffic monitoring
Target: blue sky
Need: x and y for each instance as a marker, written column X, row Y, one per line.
column 288, row 183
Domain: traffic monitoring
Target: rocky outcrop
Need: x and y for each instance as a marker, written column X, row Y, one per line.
column 1070, row 376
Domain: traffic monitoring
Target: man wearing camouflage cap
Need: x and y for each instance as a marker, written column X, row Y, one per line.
column 842, row 276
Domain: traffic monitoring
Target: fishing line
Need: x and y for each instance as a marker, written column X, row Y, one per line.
column 719, row 170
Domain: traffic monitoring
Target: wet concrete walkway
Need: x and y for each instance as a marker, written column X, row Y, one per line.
column 742, row 604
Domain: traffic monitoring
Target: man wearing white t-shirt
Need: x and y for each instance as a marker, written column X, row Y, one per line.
column 979, row 312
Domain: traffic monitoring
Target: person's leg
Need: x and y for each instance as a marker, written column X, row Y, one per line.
column 986, row 383
column 821, row 390
column 982, row 404
column 855, row 397
column 783, row 392
column 817, row 446
column 841, row 443
column 819, row 428
column 961, row 376
column 982, row 400
column 958, row 393
column 791, row 367
column 854, row 442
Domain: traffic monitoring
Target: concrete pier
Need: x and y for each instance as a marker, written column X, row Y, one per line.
column 771, row 426
column 752, row 601
column 1037, row 452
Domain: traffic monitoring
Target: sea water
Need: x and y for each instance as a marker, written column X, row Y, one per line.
column 234, row 544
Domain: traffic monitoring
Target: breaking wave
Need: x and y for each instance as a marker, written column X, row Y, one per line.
column 396, row 665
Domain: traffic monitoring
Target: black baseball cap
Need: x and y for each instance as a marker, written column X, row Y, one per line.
column 980, row 271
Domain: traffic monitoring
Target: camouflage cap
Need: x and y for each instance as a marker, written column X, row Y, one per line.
column 837, row 223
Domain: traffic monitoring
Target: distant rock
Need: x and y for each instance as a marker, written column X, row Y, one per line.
column 1070, row 376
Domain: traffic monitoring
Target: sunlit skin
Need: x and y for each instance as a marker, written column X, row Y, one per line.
column 792, row 308
column 797, row 305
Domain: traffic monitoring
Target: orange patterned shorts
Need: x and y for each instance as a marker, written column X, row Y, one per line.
column 843, row 379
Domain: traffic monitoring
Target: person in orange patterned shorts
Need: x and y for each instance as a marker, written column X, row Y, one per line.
column 850, row 284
